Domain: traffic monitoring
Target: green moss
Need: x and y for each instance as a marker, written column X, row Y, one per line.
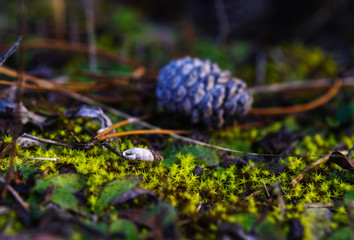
column 224, row 189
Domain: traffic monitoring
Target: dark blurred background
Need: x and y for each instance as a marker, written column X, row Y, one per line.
column 261, row 41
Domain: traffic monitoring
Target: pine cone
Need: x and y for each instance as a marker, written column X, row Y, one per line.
column 201, row 90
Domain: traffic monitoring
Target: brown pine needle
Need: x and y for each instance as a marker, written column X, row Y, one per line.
column 120, row 124
column 59, row 87
column 29, row 86
column 49, row 85
column 44, row 84
column 140, row 132
column 83, row 86
column 303, row 107
column 13, row 73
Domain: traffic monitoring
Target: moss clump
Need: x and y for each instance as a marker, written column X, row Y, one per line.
column 207, row 200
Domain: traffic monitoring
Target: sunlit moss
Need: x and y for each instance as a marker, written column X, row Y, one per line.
column 222, row 188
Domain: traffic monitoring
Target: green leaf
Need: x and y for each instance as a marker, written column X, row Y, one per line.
column 72, row 182
column 342, row 234
column 203, row 154
column 25, row 169
column 67, row 200
column 124, row 227
column 164, row 212
column 268, row 230
column 246, row 220
column 116, row 188
column 66, row 185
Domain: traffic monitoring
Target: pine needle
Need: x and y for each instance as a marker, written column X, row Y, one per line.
column 120, row 124
column 302, row 107
column 140, row 132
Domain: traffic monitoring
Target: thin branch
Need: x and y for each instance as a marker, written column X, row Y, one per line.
column 324, row 159
column 44, row 159
column 113, row 151
column 15, row 195
column 82, row 146
column 5, row 150
column 54, row 142
column 319, row 205
column 256, row 193
column 11, row 50
column 265, row 186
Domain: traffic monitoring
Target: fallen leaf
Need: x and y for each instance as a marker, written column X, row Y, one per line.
column 60, row 190
column 341, row 160
column 116, row 188
column 134, row 193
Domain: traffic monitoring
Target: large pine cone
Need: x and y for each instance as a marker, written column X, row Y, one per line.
column 201, row 90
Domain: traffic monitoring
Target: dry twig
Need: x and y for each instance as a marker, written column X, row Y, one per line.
column 15, row 195
column 319, row 205
column 324, row 159
column 265, row 187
